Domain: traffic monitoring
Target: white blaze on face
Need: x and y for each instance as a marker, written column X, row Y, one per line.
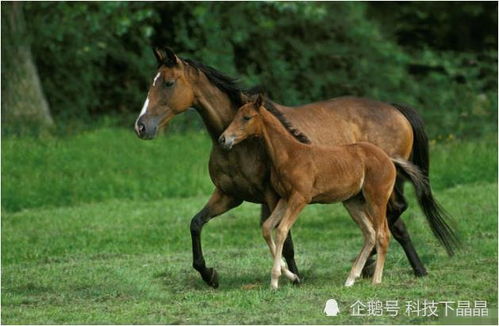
column 144, row 108
column 156, row 78
column 146, row 103
column 142, row 112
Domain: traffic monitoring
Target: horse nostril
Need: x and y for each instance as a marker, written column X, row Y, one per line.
column 221, row 140
column 141, row 128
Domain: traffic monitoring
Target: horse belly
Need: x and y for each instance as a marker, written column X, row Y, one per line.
column 335, row 195
column 239, row 187
column 338, row 189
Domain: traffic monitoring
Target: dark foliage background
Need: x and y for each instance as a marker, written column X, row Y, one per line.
column 95, row 62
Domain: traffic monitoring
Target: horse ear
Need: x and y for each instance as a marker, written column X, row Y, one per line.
column 165, row 56
column 171, row 58
column 258, row 101
column 159, row 54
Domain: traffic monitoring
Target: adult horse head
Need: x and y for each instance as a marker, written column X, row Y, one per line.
column 169, row 94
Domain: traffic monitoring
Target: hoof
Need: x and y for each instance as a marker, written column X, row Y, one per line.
column 297, row 281
column 211, row 278
column 420, row 272
column 368, row 270
column 274, row 284
column 349, row 283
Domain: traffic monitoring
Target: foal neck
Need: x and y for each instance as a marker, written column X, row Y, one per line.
column 279, row 143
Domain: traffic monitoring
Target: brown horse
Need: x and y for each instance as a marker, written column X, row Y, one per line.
column 360, row 175
column 243, row 173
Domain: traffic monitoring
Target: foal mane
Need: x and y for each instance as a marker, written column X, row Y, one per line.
column 297, row 134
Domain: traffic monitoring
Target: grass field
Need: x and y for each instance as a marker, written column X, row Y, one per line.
column 95, row 229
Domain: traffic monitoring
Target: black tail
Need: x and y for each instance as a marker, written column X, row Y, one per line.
column 436, row 216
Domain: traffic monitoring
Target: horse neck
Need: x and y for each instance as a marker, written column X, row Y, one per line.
column 214, row 106
column 279, row 143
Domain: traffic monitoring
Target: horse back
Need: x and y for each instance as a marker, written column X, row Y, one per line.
column 347, row 120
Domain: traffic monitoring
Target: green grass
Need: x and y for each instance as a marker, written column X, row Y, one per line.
column 113, row 163
column 95, row 229
column 100, row 165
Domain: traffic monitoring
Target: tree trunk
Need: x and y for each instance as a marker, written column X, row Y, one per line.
column 23, row 101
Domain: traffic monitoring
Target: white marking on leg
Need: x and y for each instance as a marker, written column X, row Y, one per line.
column 156, row 78
column 349, row 282
column 275, row 274
column 359, row 215
column 290, row 275
column 382, row 238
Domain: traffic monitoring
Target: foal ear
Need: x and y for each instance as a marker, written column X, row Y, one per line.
column 165, row 56
column 258, row 102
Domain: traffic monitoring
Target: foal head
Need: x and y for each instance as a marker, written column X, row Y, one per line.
column 170, row 94
column 246, row 123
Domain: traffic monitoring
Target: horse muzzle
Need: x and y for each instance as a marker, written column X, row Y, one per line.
column 146, row 128
column 226, row 142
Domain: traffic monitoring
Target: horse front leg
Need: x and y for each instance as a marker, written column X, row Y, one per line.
column 286, row 213
column 288, row 249
column 218, row 204
column 267, row 228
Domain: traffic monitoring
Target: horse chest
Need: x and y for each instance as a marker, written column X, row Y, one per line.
column 240, row 172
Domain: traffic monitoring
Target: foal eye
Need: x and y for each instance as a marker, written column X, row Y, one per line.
column 247, row 118
column 169, row 83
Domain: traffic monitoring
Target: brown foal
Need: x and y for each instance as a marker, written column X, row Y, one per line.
column 360, row 175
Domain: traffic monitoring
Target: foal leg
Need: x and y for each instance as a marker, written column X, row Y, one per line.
column 267, row 228
column 396, row 207
column 288, row 251
column 218, row 204
column 382, row 240
column 358, row 212
column 291, row 209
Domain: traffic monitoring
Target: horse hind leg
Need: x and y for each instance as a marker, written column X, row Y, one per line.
column 382, row 240
column 359, row 214
column 377, row 198
column 396, row 207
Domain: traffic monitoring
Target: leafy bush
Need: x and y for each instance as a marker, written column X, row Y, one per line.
column 95, row 58
column 92, row 57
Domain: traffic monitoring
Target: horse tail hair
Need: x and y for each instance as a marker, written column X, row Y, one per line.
column 435, row 214
column 420, row 148
column 420, row 157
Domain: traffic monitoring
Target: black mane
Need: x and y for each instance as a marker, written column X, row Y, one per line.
column 226, row 84
column 231, row 87
column 301, row 137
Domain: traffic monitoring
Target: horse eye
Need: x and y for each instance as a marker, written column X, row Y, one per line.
column 169, row 83
column 247, row 118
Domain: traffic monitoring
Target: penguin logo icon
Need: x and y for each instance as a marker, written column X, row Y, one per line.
column 331, row 308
